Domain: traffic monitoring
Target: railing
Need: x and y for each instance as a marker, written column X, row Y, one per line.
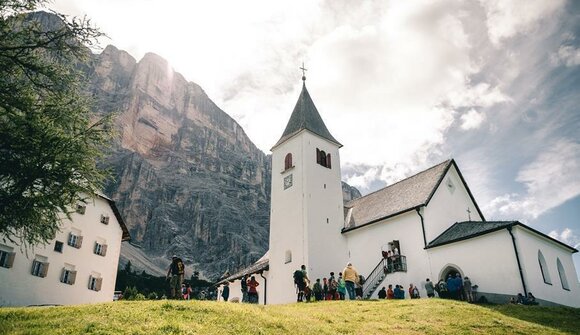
column 384, row 267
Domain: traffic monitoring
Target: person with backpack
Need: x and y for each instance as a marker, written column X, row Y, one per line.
column 443, row 291
column 332, row 287
column 350, row 278
column 341, row 289
column 175, row 274
column 359, row 287
column 300, row 279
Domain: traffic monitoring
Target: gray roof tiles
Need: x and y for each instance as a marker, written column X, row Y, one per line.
column 468, row 229
column 306, row 116
column 397, row 198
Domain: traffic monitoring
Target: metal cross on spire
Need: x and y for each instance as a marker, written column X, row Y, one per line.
column 469, row 213
column 303, row 72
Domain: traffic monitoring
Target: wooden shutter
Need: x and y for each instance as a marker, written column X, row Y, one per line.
column 68, row 241
column 44, row 270
column 99, row 284
column 317, row 156
column 104, row 250
column 79, row 242
column 72, row 276
column 10, row 259
column 328, row 161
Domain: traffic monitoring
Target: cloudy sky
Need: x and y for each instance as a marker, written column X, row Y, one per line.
column 402, row 84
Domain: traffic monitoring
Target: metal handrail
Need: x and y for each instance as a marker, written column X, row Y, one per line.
column 372, row 277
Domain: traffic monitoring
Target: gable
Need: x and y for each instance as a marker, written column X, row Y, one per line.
column 395, row 199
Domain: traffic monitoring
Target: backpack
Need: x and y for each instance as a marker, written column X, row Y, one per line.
column 298, row 277
column 333, row 285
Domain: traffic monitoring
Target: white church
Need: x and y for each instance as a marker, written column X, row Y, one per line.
column 431, row 218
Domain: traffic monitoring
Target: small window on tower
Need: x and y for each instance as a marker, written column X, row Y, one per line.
column 322, row 158
column 288, row 257
column 288, row 162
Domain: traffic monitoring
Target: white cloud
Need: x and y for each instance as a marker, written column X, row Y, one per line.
column 480, row 95
column 472, row 119
column 507, row 19
column 567, row 236
column 550, row 180
column 566, row 55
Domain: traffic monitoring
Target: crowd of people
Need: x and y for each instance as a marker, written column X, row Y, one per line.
column 350, row 283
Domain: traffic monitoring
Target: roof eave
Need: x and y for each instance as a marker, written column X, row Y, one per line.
column 346, row 230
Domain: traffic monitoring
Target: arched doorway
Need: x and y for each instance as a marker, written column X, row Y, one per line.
column 450, row 269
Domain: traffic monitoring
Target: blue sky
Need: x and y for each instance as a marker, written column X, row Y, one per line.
column 402, row 84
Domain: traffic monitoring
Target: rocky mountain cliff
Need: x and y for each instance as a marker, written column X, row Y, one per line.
column 188, row 179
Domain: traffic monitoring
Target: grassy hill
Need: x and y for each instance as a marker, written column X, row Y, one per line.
column 341, row 317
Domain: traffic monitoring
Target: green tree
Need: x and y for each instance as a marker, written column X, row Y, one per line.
column 49, row 138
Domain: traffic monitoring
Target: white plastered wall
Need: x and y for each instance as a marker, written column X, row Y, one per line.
column 447, row 207
column 488, row 260
column 20, row 288
column 528, row 245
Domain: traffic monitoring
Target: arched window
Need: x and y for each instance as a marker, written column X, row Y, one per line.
column 322, row 158
column 288, row 257
column 562, row 274
column 288, row 161
column 544, row 268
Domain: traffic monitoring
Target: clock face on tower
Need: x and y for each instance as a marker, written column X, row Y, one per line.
column 287, row 181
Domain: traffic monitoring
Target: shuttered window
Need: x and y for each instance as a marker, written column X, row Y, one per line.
column 7, row 259
column 68, row 276
column 75, row 240
column 100, row 249
column 39, row 269
column 95, row 283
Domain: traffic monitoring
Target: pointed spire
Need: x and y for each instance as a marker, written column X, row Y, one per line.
column 306, row 116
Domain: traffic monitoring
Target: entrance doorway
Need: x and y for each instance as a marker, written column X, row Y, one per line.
column 450, row 269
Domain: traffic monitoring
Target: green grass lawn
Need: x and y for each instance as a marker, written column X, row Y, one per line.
column 337, row 317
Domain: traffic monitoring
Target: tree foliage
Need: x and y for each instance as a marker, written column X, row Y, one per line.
column 49, row 138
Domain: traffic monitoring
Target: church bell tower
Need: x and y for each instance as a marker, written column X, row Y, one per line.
column 306, row 215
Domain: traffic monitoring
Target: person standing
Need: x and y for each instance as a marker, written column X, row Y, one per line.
column 317, row 289
column 332, row 287
column 175, row 275
column 341, row 289
column 244, row 288
column 226, row 291
column 324, row 288
column 350, row 278
column 429, row 288
column 252, row 290
column 468, row 289
column 300, row 279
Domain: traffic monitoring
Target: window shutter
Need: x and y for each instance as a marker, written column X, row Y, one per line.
column 104, row 250
column 95, row 248
column 79, row 242
column 33, row 266
column 10, row 259
column 99, row 284
column 62, row 273
column 44, row 270
column 72, row 276
column 328, row 161
column 70, row 236
column 317, row 156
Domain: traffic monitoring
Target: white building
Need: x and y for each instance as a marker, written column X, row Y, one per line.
column 79, row 266
column 431, row 218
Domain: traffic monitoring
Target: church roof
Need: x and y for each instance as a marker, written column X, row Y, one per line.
column 469, row 229
column 305, row 116
column 403, row 196
column 260, row 266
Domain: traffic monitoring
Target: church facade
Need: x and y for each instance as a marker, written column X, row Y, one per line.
column 430, row 218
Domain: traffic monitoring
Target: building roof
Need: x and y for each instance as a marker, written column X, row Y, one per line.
column 305, row 116
column 401, row 197
column 126, row 236
column 469, row 229
column 260, row 266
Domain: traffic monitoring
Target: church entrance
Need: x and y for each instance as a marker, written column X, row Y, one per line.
column 450, row 269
